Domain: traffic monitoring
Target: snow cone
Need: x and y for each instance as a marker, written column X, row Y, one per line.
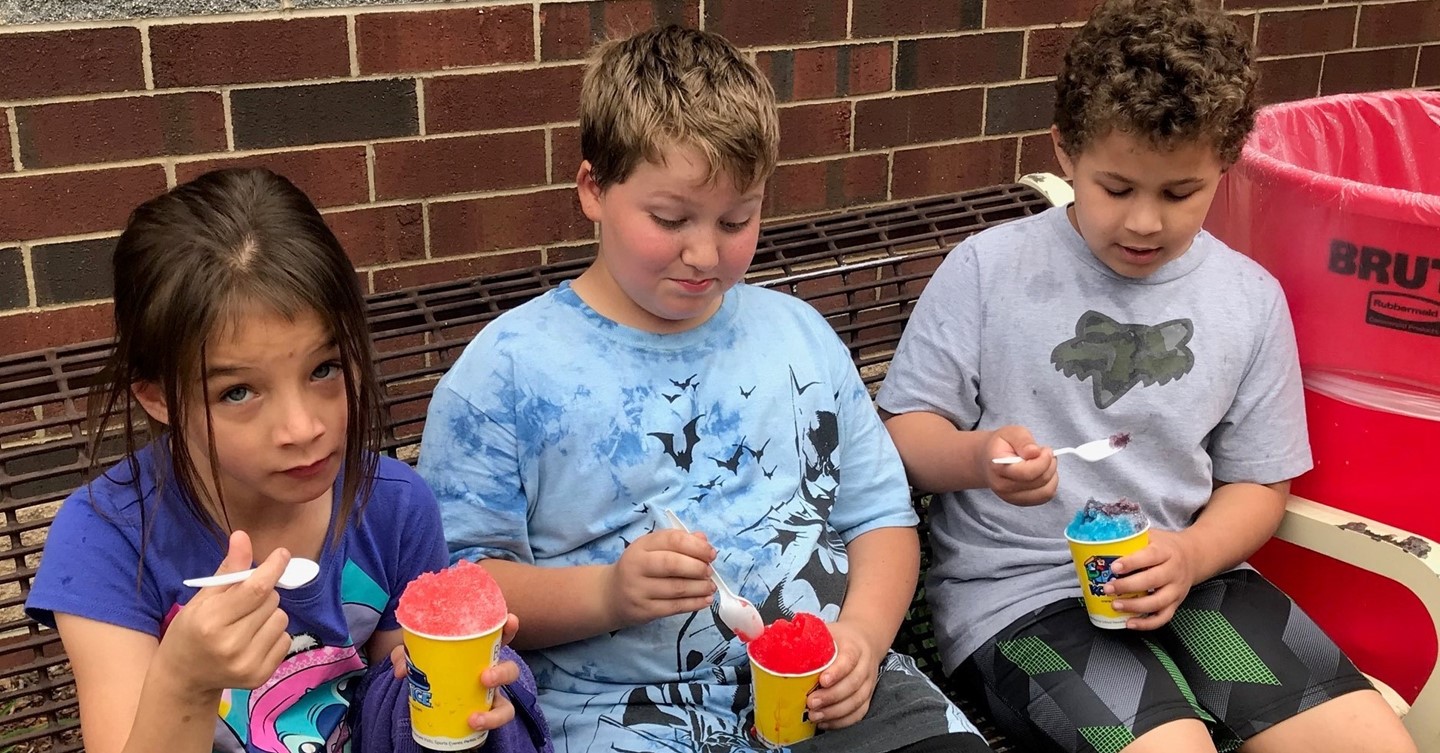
column 786, row 662
column 451, row 621
column 1099, row 535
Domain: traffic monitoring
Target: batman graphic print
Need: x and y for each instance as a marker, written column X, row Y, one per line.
column 559, row 438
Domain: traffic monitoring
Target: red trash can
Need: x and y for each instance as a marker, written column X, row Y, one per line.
column 1339, row 198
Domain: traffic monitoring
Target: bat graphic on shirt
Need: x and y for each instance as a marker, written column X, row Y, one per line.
column 733, row 463
column 683, row 457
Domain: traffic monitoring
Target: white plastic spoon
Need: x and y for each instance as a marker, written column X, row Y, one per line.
column 1091, row 451
column 299, row 572
column 736, row 612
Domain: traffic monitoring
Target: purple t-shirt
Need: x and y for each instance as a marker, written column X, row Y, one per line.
column 92, row 568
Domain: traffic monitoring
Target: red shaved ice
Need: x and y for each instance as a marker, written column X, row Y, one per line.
column 794, row 647
column 459, row 601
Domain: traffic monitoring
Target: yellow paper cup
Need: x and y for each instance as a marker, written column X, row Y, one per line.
column 781, row 717
column 444, row 685
column 1092, row 564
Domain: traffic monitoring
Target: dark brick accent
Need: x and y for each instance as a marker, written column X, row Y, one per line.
column 45, row 206
column 249, row 51
column 320, row 113
column 1288, row 79
column 1046, row 51
column 51, row 329
column 814, row 130
column 73, row 272
column 1369, row 70
column 1400, row 23
column 1428, row 74
column 935, row 170
column 502, row 100
column 886, row 18
column 330, row 177
column 499, row 222
column 380, row 235
column 464, row 164
column 1025, row 13
column 79, row 61
column 1022, row 107
column 915, row 119
column 763, row 22
column 569, row 30
column 110, row 130
column 438, row 39
column 7, row 159
column 14, row 291
column 1254, row 4
column 1302, row 31
column 392, row 278
column 957, row 61
column 833, row 184
column 564, row 154
column 825, row 72
column 1037, row 155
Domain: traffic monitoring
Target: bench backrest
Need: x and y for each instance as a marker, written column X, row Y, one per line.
column 863, row 269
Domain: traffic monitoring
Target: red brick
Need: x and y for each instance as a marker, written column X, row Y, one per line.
column 1301, row 31
column 79, row 61
column 915, row 119
column 1037, row 155
column 1400, row 23
column 800, row 188
column 568, row 30
column 502, row 100
column 439, row 39
column 500, row 222
column 1369, row 70
column 7, row 160
column 380, row 235
column 564, row 154
column 749, row 23
column 957, row 61
column 1046, row 51
column 936, row 170
column 1288, row 79
column 887, row 18
column 1253, row 4
column 330, row 177
column 394, row 278
column 440, row 166
column 825, row 72
column 1008, row 13
column 1428, row 73
column 248, row 52
column 556, row 254
column 33, row 330
column 110, row 130
column 814, row 130
column 75, row 202
column 1246, row 22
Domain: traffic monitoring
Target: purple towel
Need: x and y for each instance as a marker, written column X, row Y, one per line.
column 381, row 723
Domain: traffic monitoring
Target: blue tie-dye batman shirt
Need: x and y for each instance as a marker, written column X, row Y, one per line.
column 559, row 436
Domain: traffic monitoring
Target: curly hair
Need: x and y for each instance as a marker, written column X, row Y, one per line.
column 673, row 86
column 1167, row 71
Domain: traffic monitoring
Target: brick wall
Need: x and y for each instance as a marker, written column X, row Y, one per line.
column 441, row 142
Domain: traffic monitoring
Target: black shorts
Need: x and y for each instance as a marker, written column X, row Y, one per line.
column 1239, row 656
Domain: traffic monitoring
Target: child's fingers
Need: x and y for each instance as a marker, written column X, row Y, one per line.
column 512, row 626
column 499, row 674
column 691, row 545
column 398, row 663
column 499, row 715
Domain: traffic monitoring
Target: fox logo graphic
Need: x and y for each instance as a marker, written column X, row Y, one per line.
column 1116, row 357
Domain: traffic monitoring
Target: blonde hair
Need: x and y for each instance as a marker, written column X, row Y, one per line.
column 669, row 87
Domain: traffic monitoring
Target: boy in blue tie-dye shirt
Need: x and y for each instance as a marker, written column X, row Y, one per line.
column 658, row 380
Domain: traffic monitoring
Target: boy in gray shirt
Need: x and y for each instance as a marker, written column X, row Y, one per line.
column 1119, row 313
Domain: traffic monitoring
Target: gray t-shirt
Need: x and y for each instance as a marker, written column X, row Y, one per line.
column 1022, row 324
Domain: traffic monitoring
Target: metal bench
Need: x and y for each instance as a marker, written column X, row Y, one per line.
column 863, row 269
